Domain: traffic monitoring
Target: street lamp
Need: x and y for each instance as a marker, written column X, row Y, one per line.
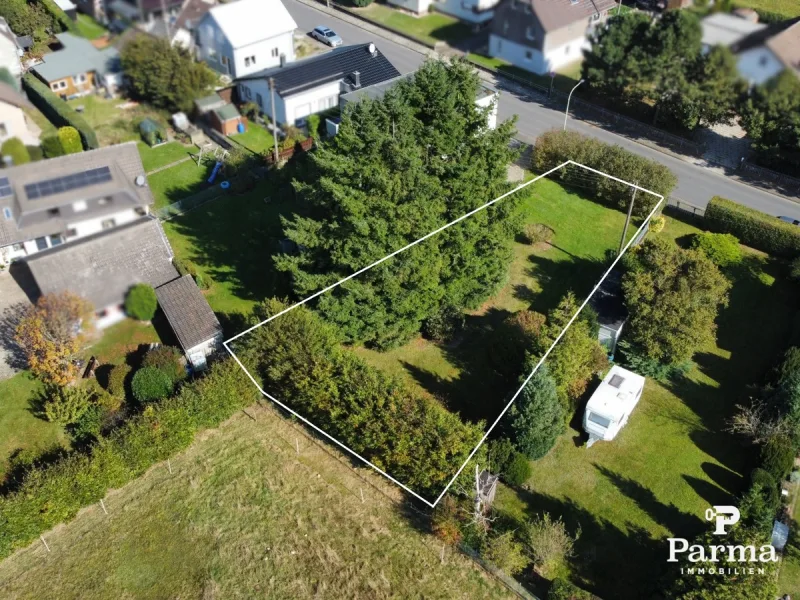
column 566, row 112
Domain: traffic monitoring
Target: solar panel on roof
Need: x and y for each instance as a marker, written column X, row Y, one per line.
column 5, row 187
column 48, row 187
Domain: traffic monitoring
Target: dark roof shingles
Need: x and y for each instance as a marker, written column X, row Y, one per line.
column 188, row 312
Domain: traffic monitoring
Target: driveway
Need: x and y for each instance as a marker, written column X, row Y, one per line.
column 15, row 287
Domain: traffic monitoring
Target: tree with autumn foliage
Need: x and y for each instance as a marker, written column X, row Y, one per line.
column 51, row 334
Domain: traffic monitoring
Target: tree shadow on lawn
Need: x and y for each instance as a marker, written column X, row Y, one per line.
column 557, row 277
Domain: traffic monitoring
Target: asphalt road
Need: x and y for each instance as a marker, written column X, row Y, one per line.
column 695, row 184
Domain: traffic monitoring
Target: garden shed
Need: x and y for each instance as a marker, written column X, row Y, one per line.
column 226, row 119
column 607, row 302
column 152, row 133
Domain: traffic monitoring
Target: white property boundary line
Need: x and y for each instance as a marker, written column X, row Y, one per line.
column 414, row 243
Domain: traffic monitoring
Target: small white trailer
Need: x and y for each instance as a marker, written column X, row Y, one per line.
column 611, row 404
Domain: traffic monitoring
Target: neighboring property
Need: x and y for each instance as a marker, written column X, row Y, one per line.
column 487, row 96
column 68, row 7
column 182, row 28
column 94, row 8
column 544, row 35
column 123, row 12
column 244, row 37
column 73, row 197
column 191, row 318
column 226, row 119
column 13, row 120
column 315, row 84
column 477, row 12
column 762, row 51
column 78, row 68
column 103, row 267
column 10, row 50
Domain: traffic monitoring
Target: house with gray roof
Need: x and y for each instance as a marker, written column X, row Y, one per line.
column 77, row 68
column 191, row 318
column 14, row 123
column 314, row 84
column 46, row 204
column 544, row 35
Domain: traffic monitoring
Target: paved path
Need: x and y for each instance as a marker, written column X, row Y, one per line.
column 698, row 182
column 13, row 300
column 170, row 165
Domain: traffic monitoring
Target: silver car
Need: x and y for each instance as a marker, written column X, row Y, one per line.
column 326, row 35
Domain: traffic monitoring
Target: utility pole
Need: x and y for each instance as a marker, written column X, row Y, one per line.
column 627, row 221
column 274, row 120
column 566, row 112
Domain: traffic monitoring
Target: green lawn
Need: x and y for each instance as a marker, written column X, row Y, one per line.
column 89, row 28
column 565, row 78
column 19, row 428
column 232, row 240
column 788, row 9
column 180, row 181
column 113, row 124
column 255, row 138
column 431, row 28
column 243, row 516
column 164, row 154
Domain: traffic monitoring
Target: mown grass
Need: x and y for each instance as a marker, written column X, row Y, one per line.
column 430, row 28
column 113, row 124
column 255, row 138
column 243, row 516
column 163, row 154
column 788, row 9
column 180, row 181
column 89, row 28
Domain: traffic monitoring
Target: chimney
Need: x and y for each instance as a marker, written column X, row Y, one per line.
column 356, row 79
column 283, row 60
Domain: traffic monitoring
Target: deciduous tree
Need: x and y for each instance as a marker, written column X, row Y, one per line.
column 51, row 335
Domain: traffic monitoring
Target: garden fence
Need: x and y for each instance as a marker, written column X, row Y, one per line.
column 189, row 203
column 686, row 207
column 511, row 583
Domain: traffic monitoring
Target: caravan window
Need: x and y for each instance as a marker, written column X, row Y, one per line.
column 597, row 419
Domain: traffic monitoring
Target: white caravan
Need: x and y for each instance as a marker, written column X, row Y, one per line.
column 611, row 404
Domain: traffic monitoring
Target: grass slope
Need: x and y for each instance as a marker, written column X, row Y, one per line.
column 243, row 516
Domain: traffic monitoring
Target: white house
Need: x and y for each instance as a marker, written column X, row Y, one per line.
column 762, row 51
column 545, row 35
column 315, row 84
column 611, row 404
column 10, row 51
column 44, row 205
column 477, row 12
column 245, row 37
column 14, row 123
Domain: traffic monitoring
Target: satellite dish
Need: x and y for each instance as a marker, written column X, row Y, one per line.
column 140, row 180
column 371, row 48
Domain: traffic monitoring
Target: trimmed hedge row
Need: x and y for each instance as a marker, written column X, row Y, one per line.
column 753, row 228
column 54, row 494
column 59, row 16
column 58, row 112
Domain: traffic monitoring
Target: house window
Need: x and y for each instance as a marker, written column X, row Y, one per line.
column 7, row 213
column 528, row 55
column 505, row 27
column 223, row 59
column 3, row 130
column 41, row 243
column 513, row 4
column 80, row 78
column 529, row 33
column 247, row 93
column 56, row 240
column 249, row 60
column 108, row 224
column 527, row 8
column 259, row 101
column 274, row 53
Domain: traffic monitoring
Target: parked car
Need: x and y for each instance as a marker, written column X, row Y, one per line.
column 326, row 35
column 789, row 220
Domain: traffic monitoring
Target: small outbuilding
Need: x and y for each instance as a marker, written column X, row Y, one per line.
column 152, row 133
column 226, row 119
column 191, row 318
column 607, row 302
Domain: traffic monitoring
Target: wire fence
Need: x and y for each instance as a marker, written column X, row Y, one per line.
column 685, row 207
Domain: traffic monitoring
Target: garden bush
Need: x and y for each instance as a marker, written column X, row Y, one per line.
column 506, row 553
column 657, row 224
column 51, row 146
column 549, row 543
column 777, row 456
column 65, row 404
column 753, row 228
column 444, row 325
column 722, row 248
column 769, row 487
column 70, row 140
column 794, row 269
column 535, row 233
column 150, row 384
column 15, row 152
column 35, row 152
column 58, row 112
column 117, row 380
column 518, row 470
column 184, row 267
column 313, row 125
column 446, row 521
column 141, row 302
column 54, row 494
column 561, row 589
column 636, row 361
column 167, row 359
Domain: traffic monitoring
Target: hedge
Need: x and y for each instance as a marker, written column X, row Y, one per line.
column 70, row 140
column 14, row 149
column 51, row 146
column 58, row 15
column 54, row 494
column 58, row 112
column 753, row 228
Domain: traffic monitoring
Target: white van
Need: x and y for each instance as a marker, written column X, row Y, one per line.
column 611, row 404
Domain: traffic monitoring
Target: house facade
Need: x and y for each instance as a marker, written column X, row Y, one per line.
column 75, row 197
column 245, row 37
column 477, row 12
column 315, row 84
column 120, row 13
column 14, row 123
column 77, row 68
column 10, row 51
column 544, row 35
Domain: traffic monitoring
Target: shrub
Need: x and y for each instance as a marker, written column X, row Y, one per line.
column 537, row 416
column 657, row 224
column 35, row 152
column 70, row 140
column 561, row 589
column 57, row 111
column 446, row 521
column 535, row 233
column 250, row 110
column 64, row 404
column 150, row 384
column 313, row 125
column 518, row 470
column 507, row 554
column 15, row 151
column 361, row 3
column 51, row 146
column 722, row 248
column 636, row 361
column 510, row 342
column 167, row 359
column 794, row 269
column 443, row 325
column 769, row 487
column 59, row 16
column 777, row 456
column 141, row 302
column 204, row 282
column 117, row 380
column 184, row 267
column 753, row 228
column 549, row 543
column 86, row 428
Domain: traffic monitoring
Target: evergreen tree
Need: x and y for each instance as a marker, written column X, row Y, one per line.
column 399, row 168
column 538, row 415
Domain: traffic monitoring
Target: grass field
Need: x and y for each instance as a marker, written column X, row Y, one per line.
column 255, row 138
column 431, row 28
column 113, row 124
column 164, row 154
column 243, row 516
column 180, row 181
column 786, row 8
column 89, row 28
